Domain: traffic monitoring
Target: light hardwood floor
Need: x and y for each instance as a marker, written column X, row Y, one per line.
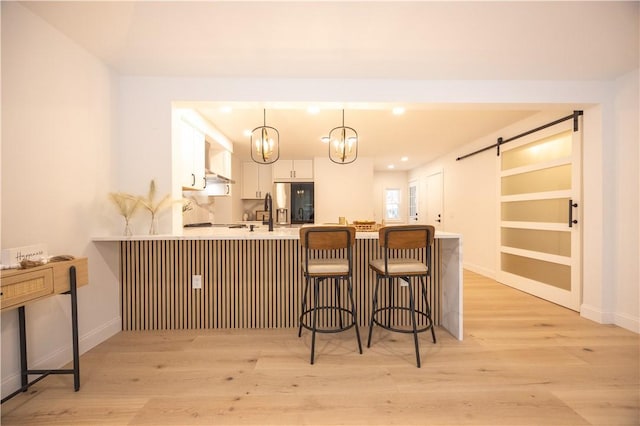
column 523, row 361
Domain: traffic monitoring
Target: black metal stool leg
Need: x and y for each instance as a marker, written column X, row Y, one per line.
column 390, row 292
column 304, row 305
column 353, row 313
column 338, row 304
column 428, row 308
column 315, row 318
column 373, row 309
column 412, row 308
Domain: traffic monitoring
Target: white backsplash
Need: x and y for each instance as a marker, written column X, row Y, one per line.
column 250, row 207
column 202, row 208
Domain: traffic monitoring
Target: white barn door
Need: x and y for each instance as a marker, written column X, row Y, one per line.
column 539, row 230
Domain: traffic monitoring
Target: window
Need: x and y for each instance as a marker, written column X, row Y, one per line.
column 392, row 204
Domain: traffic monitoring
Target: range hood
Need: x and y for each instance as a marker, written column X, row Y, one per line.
column 213, row 178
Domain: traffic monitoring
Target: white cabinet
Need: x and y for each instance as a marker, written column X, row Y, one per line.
column 192, row 146
column 293, row 171
column 218, row 189
column 256, row 180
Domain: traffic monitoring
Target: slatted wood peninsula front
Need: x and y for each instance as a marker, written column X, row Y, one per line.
column 254, row 280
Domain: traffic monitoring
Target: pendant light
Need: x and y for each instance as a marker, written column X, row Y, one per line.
column 343, row 144
column 265, row 143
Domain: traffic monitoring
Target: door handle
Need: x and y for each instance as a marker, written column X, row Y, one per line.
column 572, row 221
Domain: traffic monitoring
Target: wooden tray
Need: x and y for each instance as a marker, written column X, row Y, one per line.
column 366, row 226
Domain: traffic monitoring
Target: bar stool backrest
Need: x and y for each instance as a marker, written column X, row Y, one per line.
column 327, row 237
column 406, row 236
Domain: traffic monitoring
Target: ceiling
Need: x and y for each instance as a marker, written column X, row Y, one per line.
column 412, row 40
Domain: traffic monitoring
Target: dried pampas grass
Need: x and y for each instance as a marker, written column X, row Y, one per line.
column 127, row 205
column 149, row 202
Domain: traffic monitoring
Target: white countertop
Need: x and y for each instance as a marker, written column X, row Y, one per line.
column 259, row 233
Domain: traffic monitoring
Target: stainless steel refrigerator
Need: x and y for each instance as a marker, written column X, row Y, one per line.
column 293, row 202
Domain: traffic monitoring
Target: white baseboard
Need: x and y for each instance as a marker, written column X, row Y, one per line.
column 98, row 335
column 594, row 314
column 64, row 355
column 621, row 320
column 489, row 273
column 628, row 322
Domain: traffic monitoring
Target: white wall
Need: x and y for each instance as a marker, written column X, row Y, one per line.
column 627, row 212
column 343, row 190
column 57, row 138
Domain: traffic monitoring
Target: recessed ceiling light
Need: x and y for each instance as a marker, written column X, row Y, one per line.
column 247, row 133
column 398, row 110
column 313, row 109
column 404, row 159
column 391, row 166
column 325, row 139
column 225, row 109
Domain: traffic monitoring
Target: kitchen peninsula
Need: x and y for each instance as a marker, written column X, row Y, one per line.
column 238, row 278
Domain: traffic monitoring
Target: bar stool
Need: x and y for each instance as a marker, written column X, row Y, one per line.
column 328, row 258
column 396, row 242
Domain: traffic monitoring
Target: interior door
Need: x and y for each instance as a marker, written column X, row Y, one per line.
column 435, row 214
column 413, row 202
column 540, row 229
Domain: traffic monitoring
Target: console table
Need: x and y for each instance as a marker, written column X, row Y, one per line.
column 21, row 286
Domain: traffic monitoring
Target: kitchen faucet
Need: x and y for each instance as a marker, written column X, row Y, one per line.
column 268, row 206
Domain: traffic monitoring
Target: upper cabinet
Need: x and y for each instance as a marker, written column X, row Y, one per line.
column 256, row 180
column 192, row 149
column 205, row 153
column 293, row 171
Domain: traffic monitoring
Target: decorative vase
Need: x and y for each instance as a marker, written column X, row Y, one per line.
column 127, row 228
column 153, row 229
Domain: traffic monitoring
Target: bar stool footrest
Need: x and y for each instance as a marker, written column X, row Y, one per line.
column 427, row 327
column 327, row 330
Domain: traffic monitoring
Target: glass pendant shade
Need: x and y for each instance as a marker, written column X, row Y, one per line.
column 265, row 143
column 343, row 144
